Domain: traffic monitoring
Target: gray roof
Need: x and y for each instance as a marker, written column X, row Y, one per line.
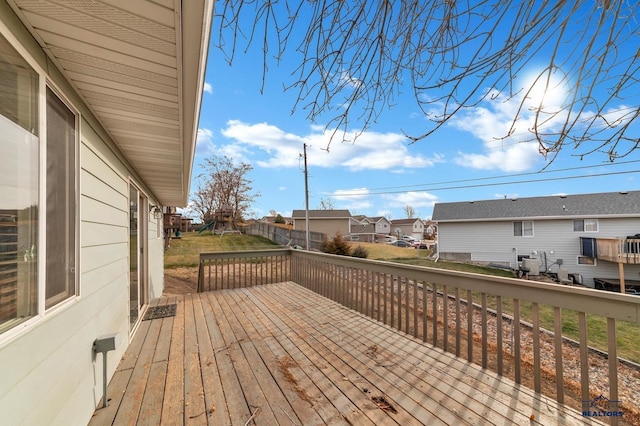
column 579, row 205
column 322, row 214
column 405, row 221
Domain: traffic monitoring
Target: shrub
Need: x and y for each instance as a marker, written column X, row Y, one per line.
column 360, row 252
column 280, row 219
column 337, row 245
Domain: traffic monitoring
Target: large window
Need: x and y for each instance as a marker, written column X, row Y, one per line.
column 523, row 229
column 585, row 225
column 19, row 176
column 23, row 292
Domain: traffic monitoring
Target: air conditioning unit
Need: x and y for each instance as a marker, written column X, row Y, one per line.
column 533, row 265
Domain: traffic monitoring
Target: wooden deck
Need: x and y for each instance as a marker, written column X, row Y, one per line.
column 281, row 354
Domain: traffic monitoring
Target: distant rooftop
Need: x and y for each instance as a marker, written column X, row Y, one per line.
column 579, row 205
column 322, row 214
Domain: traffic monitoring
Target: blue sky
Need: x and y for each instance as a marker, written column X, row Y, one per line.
column 382, row 172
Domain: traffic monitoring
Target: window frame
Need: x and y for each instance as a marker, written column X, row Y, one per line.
column 75, row 214
column 584, row 225
column 522, row 233
column 45, row 83
column 579, row 257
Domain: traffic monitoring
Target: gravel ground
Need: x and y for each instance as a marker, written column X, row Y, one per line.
column 628, row 375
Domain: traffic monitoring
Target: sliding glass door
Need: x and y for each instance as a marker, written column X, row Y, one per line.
column 137, row 253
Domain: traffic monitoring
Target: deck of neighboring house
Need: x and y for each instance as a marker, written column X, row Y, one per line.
column 282, row 354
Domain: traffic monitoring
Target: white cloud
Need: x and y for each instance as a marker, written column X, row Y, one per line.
column 372, row 151
column 414, row 199
column 208, row 88
column 204, row 142
column 354, row 199
column 509, row 145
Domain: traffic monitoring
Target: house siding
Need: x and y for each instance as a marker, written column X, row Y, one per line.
column 493, row 242
column 49, row 374
column 330, row 227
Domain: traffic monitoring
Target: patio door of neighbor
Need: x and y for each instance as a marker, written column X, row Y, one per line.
column 138, row 277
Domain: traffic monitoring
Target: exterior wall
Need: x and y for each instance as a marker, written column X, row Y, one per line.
column 415, row 229
column 383, row 227
column 49, row 373
column 326, row 226
column 493, row 242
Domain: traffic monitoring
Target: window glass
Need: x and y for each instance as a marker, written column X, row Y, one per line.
column 527, row 229
column 586, row 225
column 18, row 89
column 61, row 201
column 517, row 229
column 584, row 260
column 19, row 176
column 523, row 229
column 591, row 225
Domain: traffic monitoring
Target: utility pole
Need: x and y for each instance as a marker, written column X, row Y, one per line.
column 306, row 199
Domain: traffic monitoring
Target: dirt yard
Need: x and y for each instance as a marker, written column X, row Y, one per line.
column 180, row 281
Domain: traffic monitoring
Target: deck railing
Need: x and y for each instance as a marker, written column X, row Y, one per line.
column 493, row 321
column 238, row 269
column 619, row 250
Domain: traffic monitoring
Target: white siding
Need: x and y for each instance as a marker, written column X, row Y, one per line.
column 493, row 242
column 48, row 372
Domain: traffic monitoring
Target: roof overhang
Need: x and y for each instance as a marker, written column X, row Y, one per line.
column 139, row 66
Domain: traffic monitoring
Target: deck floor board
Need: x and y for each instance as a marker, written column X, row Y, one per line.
column 281, row 354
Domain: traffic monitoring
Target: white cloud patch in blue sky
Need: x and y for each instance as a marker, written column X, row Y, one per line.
column 372, row 151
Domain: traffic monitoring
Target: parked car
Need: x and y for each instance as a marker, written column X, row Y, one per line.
column 408, row 238
column 400, row 243
column 420, row 245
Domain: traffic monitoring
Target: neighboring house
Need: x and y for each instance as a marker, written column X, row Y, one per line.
column 430, row 229
column 411, row 227
column 363, row 233
column 382, row 225
column 329, row 222
column 549, row 229
column 99, row 105
column 369, row 229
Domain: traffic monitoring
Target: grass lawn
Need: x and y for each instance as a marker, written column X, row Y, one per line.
column 185, row 252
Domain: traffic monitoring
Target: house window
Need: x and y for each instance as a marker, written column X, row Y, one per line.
column 585, row 260
column 523, row 229
column 19, row 178
column 26, row 177
column 585, row 225
column 61, row 201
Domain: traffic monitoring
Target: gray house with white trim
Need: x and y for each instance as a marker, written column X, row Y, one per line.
column 99, row 108
column 553, row 230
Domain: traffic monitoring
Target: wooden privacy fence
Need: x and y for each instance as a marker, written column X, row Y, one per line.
column 493, row 321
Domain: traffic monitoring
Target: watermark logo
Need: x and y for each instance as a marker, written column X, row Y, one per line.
column 601, row 406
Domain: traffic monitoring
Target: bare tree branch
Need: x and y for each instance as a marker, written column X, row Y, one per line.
column 356, row 56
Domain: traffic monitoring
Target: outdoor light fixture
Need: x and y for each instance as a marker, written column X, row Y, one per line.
column 156, row 211
column 104, row 344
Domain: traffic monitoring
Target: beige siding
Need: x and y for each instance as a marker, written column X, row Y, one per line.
column 326, row 226
column 49, row 375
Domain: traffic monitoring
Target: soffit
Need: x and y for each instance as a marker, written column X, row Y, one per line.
column 139, row 66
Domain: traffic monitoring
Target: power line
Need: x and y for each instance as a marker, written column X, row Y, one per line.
column 498, row 183
column 513, row 175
